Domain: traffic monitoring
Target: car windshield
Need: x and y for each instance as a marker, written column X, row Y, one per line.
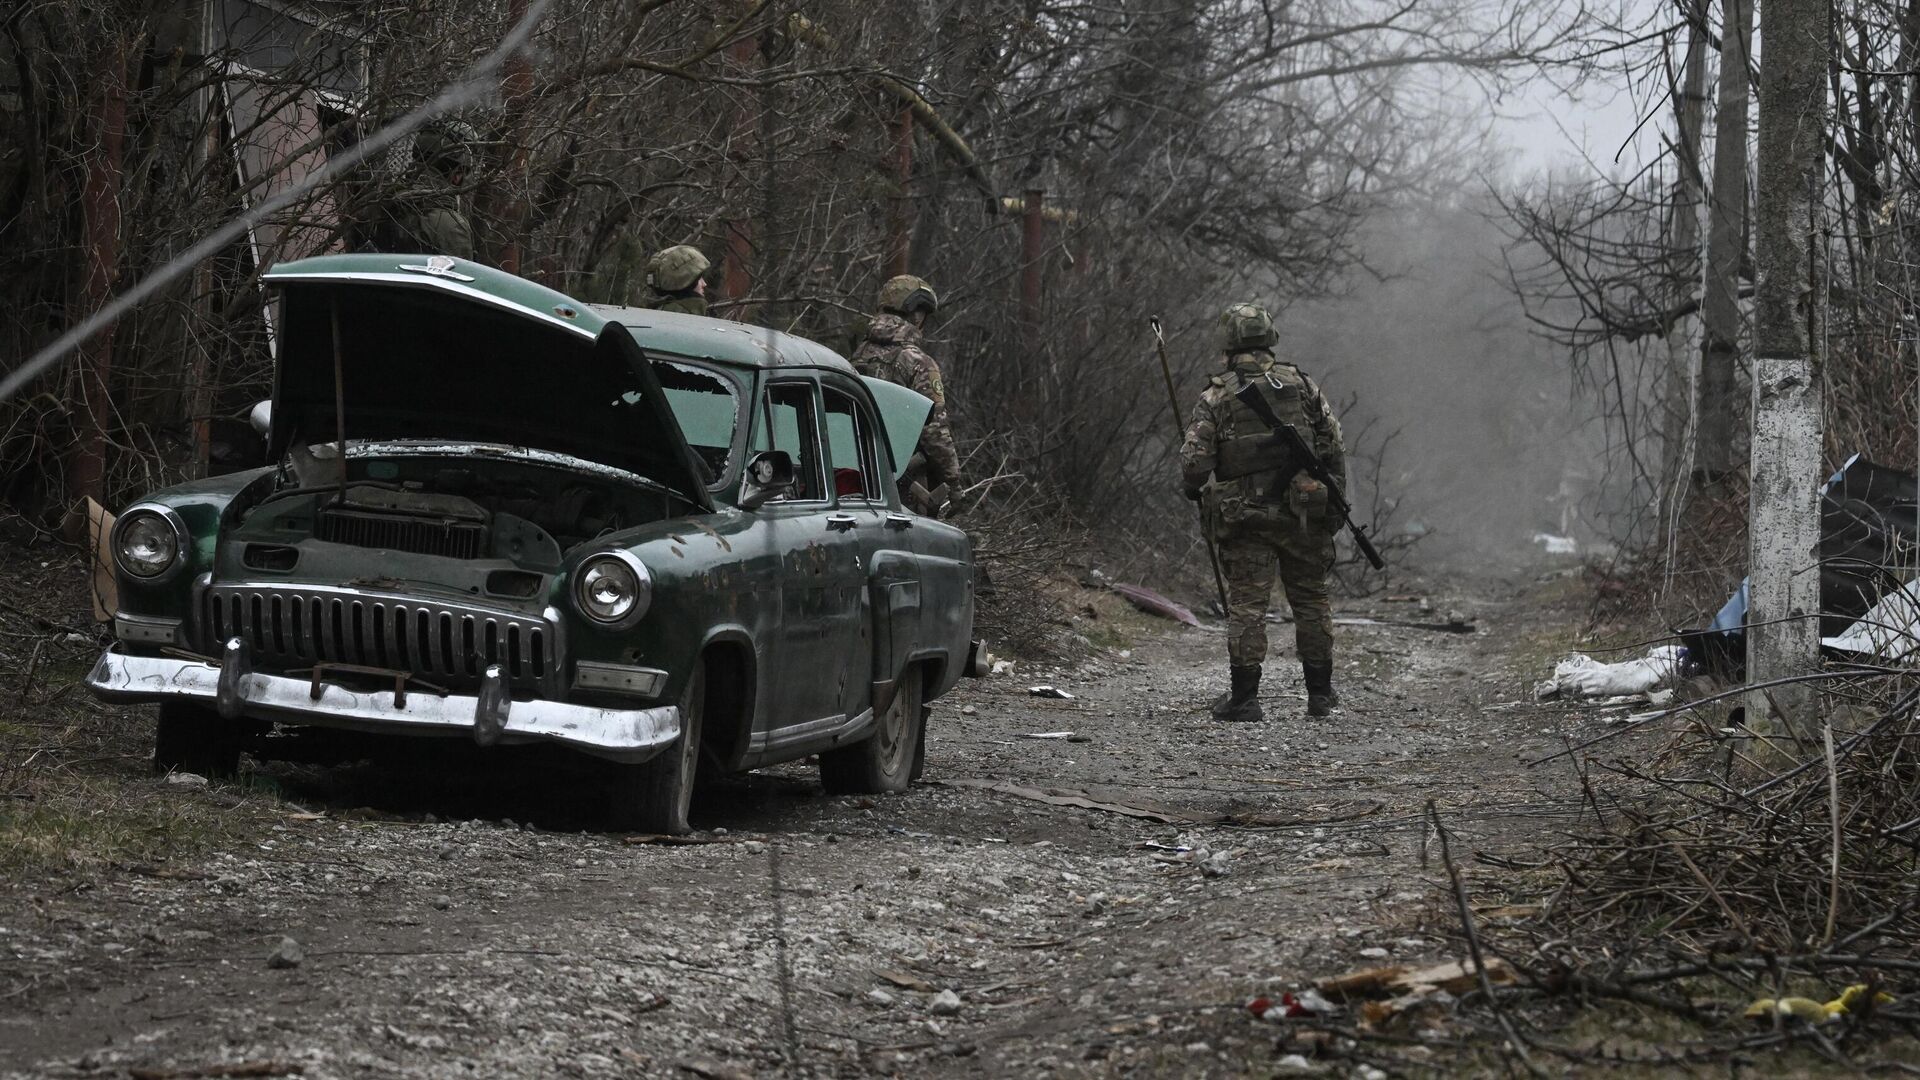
column 707, row 409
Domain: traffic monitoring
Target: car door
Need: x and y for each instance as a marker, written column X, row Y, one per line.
column 819, row 577
column 886, row 627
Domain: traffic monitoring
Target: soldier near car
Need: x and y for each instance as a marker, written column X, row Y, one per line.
column 1262, row 523
column 892, row 351
column 677, row 277
column 430, row 216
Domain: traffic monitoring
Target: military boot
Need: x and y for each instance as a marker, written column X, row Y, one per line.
column 1321, row 698
column 1242, row 703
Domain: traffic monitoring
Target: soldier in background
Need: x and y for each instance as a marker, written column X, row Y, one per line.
column 892, row 352
column 430, row 218
column 1228, row 459
column 677, row 276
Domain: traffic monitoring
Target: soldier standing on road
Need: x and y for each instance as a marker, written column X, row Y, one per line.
column 431, row 220
column 678, row 278
column 892, row 352
column 1259, row 528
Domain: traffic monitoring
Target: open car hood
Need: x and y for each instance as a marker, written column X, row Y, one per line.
column 431, row 348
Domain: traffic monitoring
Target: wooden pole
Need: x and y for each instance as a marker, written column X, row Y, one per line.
column 1033, row 238
column 899, row 217
column 100, row 210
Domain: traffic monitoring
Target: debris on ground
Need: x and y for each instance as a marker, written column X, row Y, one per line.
column 1581, row 675
column 1154, row 604
column 944, row 1003
column 1455, row 977
column 1049, row 692
column 1002, row 667
column 1064, row 736
column 287, row 954
column 1556, row 545
column 1290, row 1005
column 186, row 779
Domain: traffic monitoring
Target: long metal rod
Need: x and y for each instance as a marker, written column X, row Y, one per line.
column 339, row 394
column 1173, row 402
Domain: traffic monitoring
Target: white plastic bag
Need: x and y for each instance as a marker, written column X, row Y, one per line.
column 1580, row 675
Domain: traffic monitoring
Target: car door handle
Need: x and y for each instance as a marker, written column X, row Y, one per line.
column 899, row 521
column 841, row 522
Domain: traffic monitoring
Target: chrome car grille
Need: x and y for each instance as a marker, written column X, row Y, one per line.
column 421, row 536
column 446, row 644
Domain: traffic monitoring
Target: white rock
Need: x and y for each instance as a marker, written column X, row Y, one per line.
column 186, row 779
column 944, row 1003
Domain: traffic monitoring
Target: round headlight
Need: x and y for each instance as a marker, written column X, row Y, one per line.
column 614, row 588
column 147, row 544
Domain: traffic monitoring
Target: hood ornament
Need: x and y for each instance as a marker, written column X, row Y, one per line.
column 439, row 266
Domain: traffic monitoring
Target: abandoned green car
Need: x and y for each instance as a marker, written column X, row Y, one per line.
column 670, row 542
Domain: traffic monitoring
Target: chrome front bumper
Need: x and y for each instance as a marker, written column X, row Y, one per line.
column 628, row 735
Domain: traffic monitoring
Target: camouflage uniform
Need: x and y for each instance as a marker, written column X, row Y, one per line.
column 432, row 223
column 1256, row 532
column 433, row 220
column 689, row 304
column 892, row 352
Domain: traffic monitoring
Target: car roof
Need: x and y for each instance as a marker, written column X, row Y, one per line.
column 721, row 340
column 693, row 336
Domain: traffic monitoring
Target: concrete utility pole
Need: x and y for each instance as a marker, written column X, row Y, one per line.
column 1726, row 249
column 1783, row 636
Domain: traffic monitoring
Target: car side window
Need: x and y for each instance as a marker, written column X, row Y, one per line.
column 706, row 407
column 850, row 448
column 787, row 414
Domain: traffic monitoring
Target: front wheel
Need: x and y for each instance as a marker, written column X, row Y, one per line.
column 882, row 762
column 655, row 796
column 194, row 739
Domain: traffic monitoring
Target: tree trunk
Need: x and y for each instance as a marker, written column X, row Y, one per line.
column 1783, row 636
column 1684, row 243
column 1726, row 246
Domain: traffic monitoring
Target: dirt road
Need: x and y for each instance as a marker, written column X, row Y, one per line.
column 954, row 930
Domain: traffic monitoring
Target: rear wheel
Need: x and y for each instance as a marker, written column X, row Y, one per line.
column 655, row 796
column 882, row 762
column 195, row 739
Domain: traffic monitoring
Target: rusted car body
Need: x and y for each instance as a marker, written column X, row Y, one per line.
column 669, row 542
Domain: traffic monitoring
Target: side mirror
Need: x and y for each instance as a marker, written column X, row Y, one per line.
column 768, row 473
column 261, row 417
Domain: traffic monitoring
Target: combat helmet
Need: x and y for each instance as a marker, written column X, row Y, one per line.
column 906, row 294
column 675, row 269
column 446, row 145
column 1246, row 326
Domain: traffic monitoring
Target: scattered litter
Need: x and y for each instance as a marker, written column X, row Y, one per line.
column 1176, row 848
column 1580, row 675
column 665, row 840
column 1049, row 692
column 904, row 980
column 1291, row 1005
column 1002, row 667
column 1398, row 979
column 1064, row 736
column 1814, row 1012
column 1557, row 545
column 186, row 779
column 1154, row 604
column 1890, row 630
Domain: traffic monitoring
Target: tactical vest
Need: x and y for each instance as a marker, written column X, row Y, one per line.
column 1248, row 450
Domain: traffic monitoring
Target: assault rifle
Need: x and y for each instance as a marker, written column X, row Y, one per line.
column 1301, row 458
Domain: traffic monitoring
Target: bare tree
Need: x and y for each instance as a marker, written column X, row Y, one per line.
column 1716, row 405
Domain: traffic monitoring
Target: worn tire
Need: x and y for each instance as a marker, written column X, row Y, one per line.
column 195, row 739
column 655, row 795
column 882, row 762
